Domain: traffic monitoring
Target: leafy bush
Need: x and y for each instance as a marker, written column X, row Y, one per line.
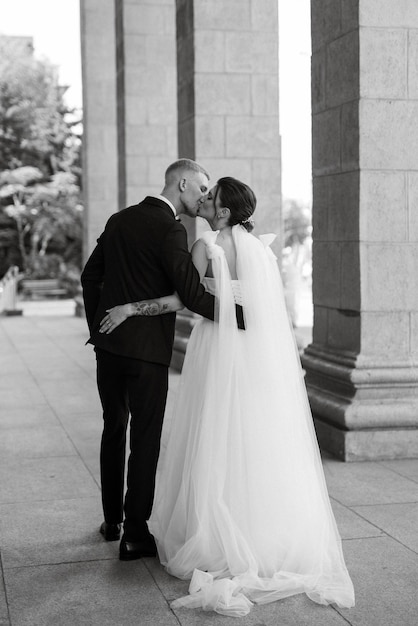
column 40, row 174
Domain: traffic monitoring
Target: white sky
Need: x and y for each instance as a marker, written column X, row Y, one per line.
column 55, row 27
column 295, row 98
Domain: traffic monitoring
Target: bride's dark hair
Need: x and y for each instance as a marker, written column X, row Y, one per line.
column 239, row 199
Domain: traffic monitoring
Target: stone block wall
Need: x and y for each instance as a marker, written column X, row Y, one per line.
column 361, row 367
column 364, row 109
column 336, row 180
column 228, row 95
column 388, row 156
column 100, row 140
column 129, row 100
column 149, row 94
column 228, row 109
column 219, row 106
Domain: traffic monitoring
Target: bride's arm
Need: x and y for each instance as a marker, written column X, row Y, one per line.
column 157, row 306
column 199, row 257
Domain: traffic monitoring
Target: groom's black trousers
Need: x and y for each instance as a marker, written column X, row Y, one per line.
column 139, row 388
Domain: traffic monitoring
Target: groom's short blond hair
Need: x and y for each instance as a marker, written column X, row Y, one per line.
column 183, row 165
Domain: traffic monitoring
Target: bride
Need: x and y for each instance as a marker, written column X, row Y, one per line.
column 241, row 506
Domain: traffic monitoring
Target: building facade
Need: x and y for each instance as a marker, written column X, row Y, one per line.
column 164, row 79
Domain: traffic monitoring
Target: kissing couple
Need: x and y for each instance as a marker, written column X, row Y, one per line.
column 237, row 502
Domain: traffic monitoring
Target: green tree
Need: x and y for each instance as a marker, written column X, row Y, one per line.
column 47, row 217
column 297, row 222
column 34, row 126
column 40, row 209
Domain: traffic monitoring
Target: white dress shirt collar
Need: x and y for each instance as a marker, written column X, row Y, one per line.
column 172, row 207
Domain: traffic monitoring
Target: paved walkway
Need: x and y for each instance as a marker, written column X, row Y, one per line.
column 57, row 570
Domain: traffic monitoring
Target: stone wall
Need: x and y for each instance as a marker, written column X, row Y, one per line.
column 149, row 94
column 235, row 96
column 228, row 107
column 129, row 101
column 224, row 97
column 361, row 368
column 100, row 145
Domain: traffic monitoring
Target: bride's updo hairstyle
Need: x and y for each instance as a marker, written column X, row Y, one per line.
column 239, row 199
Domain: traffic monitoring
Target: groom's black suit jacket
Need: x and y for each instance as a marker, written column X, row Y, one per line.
column 141, row 254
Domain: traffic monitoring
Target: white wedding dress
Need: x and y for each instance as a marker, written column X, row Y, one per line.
column 241, row 505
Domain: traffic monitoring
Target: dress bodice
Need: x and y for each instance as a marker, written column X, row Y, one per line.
column 214, row 251
column 209, row 284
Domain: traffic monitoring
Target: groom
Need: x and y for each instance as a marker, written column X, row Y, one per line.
column 141, row 254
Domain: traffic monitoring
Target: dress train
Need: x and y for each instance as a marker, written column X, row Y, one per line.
column 241, row 506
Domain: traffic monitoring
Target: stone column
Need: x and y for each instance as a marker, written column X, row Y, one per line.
column 147, row 97
column 100, row 150
column 361, row 368
column 228, row 107
column 228, row 111
column 129, row 100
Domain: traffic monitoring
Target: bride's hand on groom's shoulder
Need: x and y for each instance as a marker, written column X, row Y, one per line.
column 115, row 316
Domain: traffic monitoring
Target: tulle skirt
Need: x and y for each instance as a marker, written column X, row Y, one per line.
column 241, row 506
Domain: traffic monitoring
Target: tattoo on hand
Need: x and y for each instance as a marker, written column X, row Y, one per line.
column 149, row 308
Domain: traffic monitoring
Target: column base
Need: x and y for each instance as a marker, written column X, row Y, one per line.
column 367, row 445
column 363, row 408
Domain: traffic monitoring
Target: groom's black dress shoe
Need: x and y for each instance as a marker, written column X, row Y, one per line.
column 131, row 550
column 111, row 532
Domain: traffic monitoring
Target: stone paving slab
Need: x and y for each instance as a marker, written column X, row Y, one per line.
column 384, row 575
column 89, row 593
column 399, row 521
column 27, row 395
column 85, row 431
column 57, row 531
column 23, row 382
column 54, row 369
column 52, row 478
column 70, row 397
column 404, row 467
column 351, row 524
column 31, row 442
column 27, row 416
column 11, row 363
column 368, row 483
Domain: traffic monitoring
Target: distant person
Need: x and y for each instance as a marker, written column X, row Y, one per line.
column 241, row 505
column 141, row 254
